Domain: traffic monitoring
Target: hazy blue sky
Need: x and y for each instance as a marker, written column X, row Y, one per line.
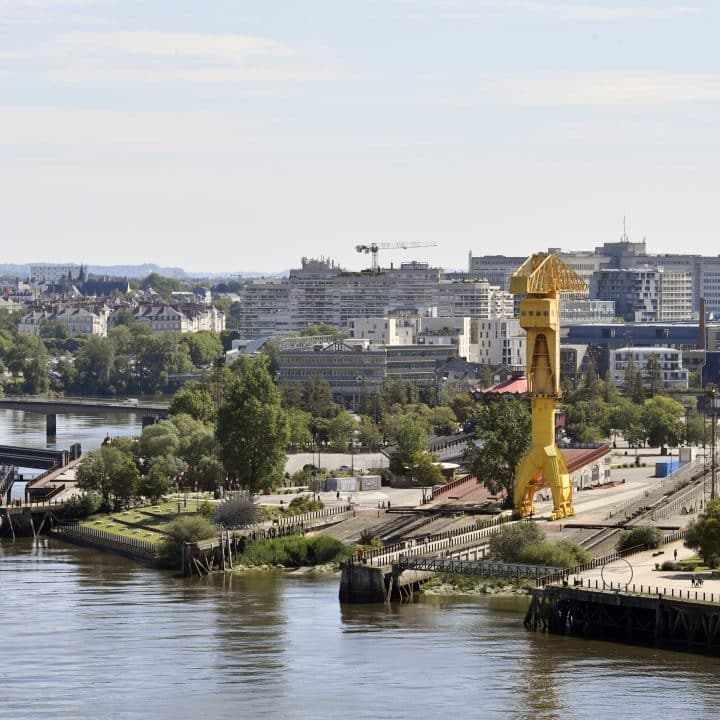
column 240, row 135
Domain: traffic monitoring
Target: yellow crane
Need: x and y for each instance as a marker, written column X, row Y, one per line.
column 373, row 248
column 541, row 278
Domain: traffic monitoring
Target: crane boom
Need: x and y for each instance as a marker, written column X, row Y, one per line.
column 374, row 247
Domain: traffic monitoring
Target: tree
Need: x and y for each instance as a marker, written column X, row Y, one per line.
column 703, row 534
column 340, row 430
column 695, row 429
column 299, row 433
column 252, row 426
column 28, row 357
column 204, row 347
column 487, row 379
column 504, row 427
column 424, row 471
column 369, row 434
column 626, row 417
column 109, row 472
column 443, row 420
column 195, row 402
column 317, row 397
column 653, row 375
column 662, row 418
column 162, row 438
column 410, row 434
column 634, row 386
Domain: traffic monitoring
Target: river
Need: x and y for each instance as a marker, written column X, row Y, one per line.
column 87, row 635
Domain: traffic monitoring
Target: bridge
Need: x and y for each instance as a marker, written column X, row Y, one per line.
column 52, row 406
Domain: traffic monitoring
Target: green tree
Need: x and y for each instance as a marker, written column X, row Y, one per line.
column 410, row 434
column 487, row 379
column 634, row 385
column 695, row 429
column 504, row 427
column 299, row 433
column 443, row 420
column 163, row 286
column 195, row 402
column 424, row 471
column 252, row 426
column 653, row 376
column 28, row 357
column 662, row 418
column 204, row 347
column 369, row 434
column 317, row 397
column 341, row 429
column 162, row 438
column 703, row 534
column 108, row 472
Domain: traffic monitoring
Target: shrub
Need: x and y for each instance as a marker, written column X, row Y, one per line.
column 563, row 554
column 189, row 528
column 206, row 509
column 82, row 506
column 507, row 545
column 295, row 551
column 302, row 504
column 237, row 511
column 647, row 535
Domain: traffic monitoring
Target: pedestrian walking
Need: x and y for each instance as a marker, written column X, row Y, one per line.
column 675, row 554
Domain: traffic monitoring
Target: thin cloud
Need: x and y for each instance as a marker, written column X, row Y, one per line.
column 468, row 11
column 160, row 57
column 218, row 47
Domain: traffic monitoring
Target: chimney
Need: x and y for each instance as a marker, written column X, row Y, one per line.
column 701, row 326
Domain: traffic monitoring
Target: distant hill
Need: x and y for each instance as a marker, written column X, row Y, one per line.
column 130, row 271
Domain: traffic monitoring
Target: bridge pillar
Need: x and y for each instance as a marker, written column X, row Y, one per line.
column 51, row 426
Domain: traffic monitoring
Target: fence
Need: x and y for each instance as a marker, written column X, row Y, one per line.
column 313, row 515
column 432, row 544
column 484, row 568
column 142, row 547
column 655, row 591
column 685, row 473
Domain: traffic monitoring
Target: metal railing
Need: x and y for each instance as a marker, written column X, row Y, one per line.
column 680, row 475
column 82, row 531
column 484, row 568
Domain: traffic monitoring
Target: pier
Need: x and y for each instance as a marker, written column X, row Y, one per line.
column 685, row 620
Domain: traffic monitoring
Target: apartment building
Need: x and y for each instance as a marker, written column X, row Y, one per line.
column 500, row 342
column 321, row 292
column 669, row 362
column 416, row 330
column 77, row 320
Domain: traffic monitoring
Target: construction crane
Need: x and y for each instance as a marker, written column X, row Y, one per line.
column 373, row 248
column 541, row 278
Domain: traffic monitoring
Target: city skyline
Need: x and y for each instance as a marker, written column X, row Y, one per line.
column 215, row 137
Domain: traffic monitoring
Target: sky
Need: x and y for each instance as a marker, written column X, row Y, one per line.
column 240, row 135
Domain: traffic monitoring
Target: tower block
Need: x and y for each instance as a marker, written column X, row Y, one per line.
column 541, row 278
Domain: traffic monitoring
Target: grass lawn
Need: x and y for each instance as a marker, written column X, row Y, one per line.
column 149, row 522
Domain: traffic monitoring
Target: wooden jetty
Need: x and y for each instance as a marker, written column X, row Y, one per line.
column 688, row 620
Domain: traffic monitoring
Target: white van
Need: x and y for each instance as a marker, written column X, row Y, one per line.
column 131, row 401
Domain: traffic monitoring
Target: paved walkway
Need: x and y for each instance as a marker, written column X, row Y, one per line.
column 644, row 573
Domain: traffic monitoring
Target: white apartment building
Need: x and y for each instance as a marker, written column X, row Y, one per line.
column 77, row 320
column 451, row 332
column 669, row 360
column 321, row 292
column 50, row 273
column 500, row 342
column 182, row 319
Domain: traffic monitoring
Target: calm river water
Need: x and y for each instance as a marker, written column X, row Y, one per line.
column 87, row 635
